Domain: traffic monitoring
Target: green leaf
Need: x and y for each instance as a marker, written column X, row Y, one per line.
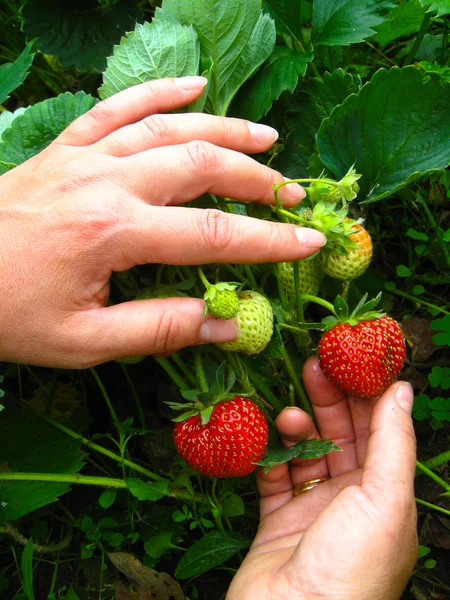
column 403, row 20
column 417, row 235
column 233, row 34
column 441, row 7
column 148, row 491
column 26, row 567
column 6, row 118
column 152, row 51
column 157, row 545
column 278, row 74
column 289, row 15
column 418, row 290
column 442, row 325
column 13, row 74
column 344, row 22
column 233, row 506
column 40, row 124
column 304, row 450
column 28, row 445
column 209, row 552
column 423, row 551
column 410, row 126
column 79, row 33
column 403, row 271
column 107, row 497
column 440, row 377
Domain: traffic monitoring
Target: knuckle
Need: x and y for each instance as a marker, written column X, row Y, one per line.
column 156, row 128
column 202, row 157
column 215, row 229
column 101, row 112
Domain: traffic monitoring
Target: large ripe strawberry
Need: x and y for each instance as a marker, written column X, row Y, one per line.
column 352, row 262
column 255, row 320
column 363, row 358
column 308, row 272
column 229, row 445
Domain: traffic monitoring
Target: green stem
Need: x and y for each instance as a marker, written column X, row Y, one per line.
column 250, row 276
column 419, row 39
column 64, row 478
column 433, row 476
column 93, row 446
column 203, row 278
column 298, row 386
column 433, row 506
column 418, row 300
column 438, row 460
column 183, row 367
column 201, row 377
column 173, row 374
column 435, row 226
column 298, row 297
column 135, row 396
column 106, row 398
column 324, row 303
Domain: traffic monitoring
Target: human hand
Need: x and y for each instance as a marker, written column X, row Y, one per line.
column 102, row 198
column 352, row 537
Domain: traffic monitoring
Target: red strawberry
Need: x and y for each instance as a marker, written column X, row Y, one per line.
column 230, row 445
column 363, row 359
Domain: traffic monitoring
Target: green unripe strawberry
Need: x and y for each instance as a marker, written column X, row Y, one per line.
column 308, row 271
column 255, row 320
column 221, row 301
column 354, row 261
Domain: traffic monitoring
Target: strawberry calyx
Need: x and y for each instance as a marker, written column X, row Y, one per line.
column 221, row 299
column 364, row 310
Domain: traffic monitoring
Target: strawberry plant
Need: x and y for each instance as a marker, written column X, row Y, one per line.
column 143, row 468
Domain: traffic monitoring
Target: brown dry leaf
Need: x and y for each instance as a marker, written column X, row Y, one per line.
column 150, row 584
column 419, row 338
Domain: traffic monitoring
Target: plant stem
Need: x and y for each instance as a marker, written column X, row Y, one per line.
column 298, row 386
column 324, row 303
column 176, row 377
column 93, row 446
column 437, row 460
column 433, row 476
column 107, row 399
column 418, row 300
column 433, row 223
column 183, row 367
column 298, row 297
column 135, row 396
column 250, row 276
column 419, row 39
column 433, row 506
column 201, row 377
column 203, row 278
column 64, row 478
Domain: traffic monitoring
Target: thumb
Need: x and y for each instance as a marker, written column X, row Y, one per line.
column 389, row 467
column 156, row 327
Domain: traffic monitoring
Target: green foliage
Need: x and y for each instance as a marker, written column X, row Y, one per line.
column 212, row 550
column 412, row 128
column 443, row 326
column 152, row 51
column 33, row 130
column 403, row 20
column 42, row 449
column 79, row 33
column 305, row 450
column 13, row 74
column 441, row 7
column 346, row 21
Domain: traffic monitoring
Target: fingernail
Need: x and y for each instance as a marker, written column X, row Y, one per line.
column 405, row 396
column 292, row 408
column 214, row 331
column 310, row 237
column 263, row 134
column 191, row 83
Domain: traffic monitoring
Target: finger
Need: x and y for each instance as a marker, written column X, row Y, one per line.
column 148, row 327
column 189, row 236
column 333, row 418
column 129, row 106
column 168, row 130
column 294, row 426
column 389, row 468
column 275, row 488
column 361, row 411
column 187, row 171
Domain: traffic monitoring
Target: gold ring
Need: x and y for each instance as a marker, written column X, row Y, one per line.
column 308, row 485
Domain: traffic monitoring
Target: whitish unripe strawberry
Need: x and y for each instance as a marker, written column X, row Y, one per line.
column 255, row 320
column 354, row 262
column 308, row 271
column 221, row 301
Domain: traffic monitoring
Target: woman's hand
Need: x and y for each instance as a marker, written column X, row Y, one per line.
column 103, row 197
column 352, row 537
